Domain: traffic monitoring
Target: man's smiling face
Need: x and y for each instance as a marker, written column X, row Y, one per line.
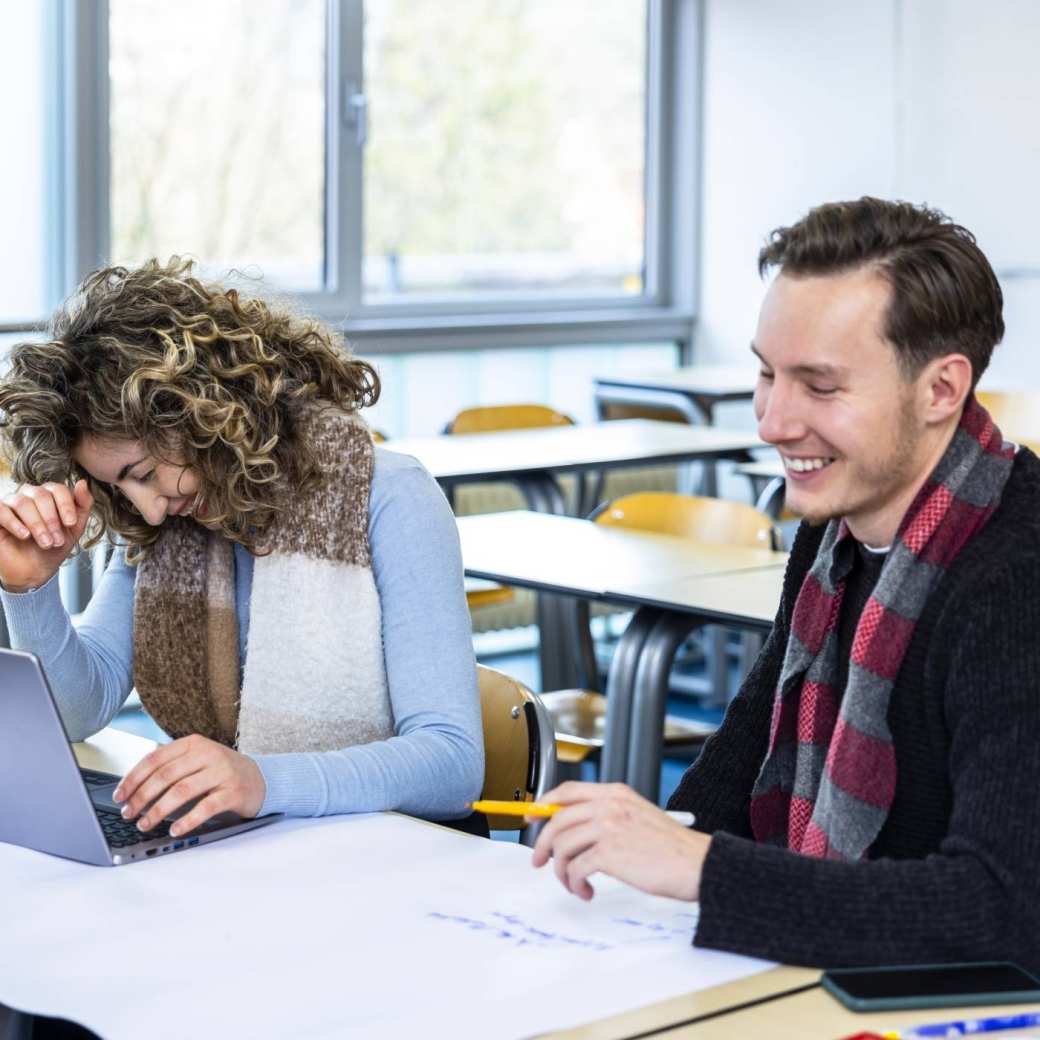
column 832, row 398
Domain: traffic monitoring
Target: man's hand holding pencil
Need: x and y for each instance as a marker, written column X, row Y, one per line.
column 610, row 828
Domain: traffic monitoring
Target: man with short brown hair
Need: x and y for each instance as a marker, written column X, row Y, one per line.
column 870, row 796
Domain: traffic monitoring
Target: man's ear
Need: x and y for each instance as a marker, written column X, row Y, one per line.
column 945, row 384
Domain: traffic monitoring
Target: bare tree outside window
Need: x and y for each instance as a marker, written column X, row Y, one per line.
column 505, row 155
column 218, row 134
column 507, row 147
column 22, row 173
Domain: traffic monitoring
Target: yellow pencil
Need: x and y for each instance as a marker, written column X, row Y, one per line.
column 547, row 809
column 515, row 808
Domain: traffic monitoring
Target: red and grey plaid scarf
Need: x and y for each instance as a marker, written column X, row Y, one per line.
column 829, row 776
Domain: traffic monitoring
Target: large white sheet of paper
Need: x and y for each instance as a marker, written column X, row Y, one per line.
column 374, row 926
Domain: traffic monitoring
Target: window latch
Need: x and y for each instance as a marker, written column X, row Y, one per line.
column 354, row 109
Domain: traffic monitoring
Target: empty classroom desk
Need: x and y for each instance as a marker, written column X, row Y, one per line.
column 694, row 390
column 656, row 573
column 531, row 458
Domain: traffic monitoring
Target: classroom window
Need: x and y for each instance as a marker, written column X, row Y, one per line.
column 23, row 173
column 429, row 173
column 217, row 145
column 505, row 151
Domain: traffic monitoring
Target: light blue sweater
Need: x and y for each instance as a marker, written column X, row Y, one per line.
column 432, row 766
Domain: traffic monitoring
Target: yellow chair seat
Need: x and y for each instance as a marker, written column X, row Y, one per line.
column 579, row 718
column 1016, row 412
column 476, row 598
column 488, row 418
column 716, row 521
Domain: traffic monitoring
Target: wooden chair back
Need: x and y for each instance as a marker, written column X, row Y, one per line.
column 488, row 418
column 519, row 746
column 611, row 410
column 1016, row 412
column 712, row 520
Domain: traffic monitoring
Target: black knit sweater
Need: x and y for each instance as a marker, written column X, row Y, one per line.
column 954, row 874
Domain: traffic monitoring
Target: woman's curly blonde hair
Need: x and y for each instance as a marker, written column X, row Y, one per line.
column 196, row 373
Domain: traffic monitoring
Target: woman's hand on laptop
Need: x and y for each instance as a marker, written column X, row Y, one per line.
column 191, row 768
column 39, row 528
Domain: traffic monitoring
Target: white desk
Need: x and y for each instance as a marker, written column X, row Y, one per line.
column 675, row 584
column 693, row 390
column 581, row 558
column 112, row 751
column 371, row 925
column 274, row 985
column 528, row 456
column 531, row 459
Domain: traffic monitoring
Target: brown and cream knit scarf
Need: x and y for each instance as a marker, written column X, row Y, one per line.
column 314, row 676
column 829, row 776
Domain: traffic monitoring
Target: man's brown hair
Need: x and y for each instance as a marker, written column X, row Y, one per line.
column 945, row 297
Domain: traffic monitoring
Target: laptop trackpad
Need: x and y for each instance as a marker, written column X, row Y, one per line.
column 102, row 797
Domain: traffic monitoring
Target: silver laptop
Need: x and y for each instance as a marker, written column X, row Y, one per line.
column 48, row 803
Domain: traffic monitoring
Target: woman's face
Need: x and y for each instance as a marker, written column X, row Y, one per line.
column 156, row 488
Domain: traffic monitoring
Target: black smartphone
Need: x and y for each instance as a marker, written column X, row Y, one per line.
column 932, row 985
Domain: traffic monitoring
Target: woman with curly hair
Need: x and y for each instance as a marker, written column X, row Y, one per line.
column 286, row 599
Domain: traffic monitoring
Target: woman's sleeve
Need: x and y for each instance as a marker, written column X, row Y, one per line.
column 434, row 764
column 89, row 666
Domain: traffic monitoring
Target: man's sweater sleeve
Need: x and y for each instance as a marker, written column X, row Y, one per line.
column 976, row 898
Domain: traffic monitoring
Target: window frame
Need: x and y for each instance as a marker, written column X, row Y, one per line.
column 78, row 198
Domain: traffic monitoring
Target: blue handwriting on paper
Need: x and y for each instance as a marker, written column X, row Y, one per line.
column 514, row 930
column 681, row 924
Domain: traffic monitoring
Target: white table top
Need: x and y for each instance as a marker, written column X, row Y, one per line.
column 559, row 449
column 331, row 914
column 739, row 597
column 812, row 1014
column 715, row 381
column 112, row 751
column 578, row 557
column 763, row 468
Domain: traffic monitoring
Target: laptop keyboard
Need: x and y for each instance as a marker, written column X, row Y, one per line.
column 119, row 832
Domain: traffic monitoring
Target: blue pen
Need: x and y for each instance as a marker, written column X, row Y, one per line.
column 975, row 1025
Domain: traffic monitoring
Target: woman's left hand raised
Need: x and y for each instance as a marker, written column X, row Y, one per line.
column 193, row 767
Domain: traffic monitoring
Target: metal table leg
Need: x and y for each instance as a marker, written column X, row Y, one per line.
column 771, row 499
column 620, row 681
column 718, row 664
column 649, row 693
column 556, row 629
column 14, row 1025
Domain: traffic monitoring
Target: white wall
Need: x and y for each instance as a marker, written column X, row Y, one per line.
column 930, row 100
